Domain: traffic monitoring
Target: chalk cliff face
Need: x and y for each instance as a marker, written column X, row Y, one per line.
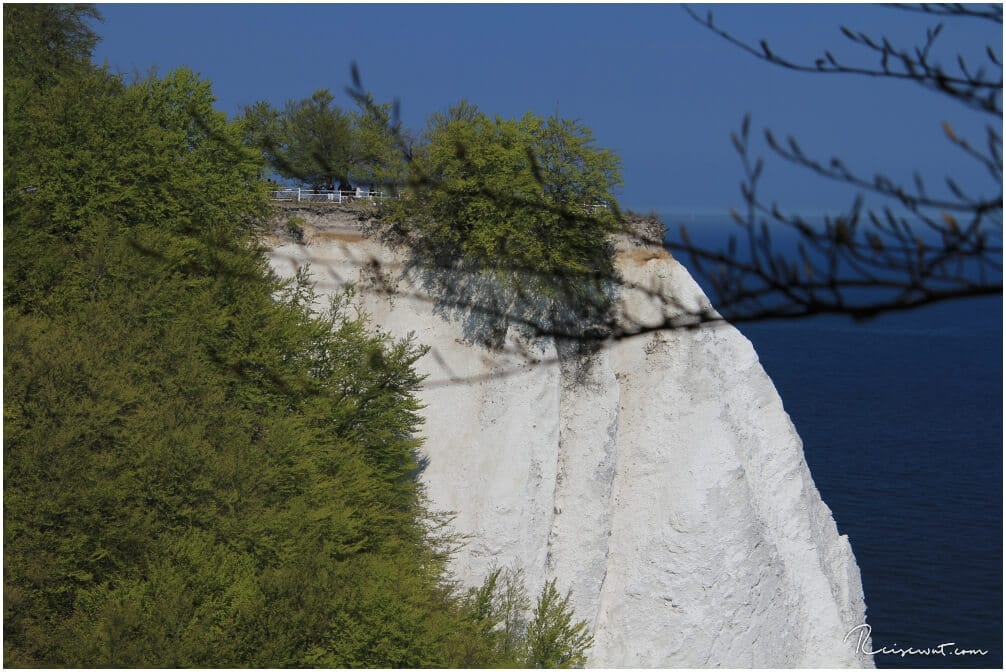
column 664, row 483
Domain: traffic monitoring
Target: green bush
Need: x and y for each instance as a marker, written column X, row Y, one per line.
column 522, row 209
column 199, row 470
column 545, row 637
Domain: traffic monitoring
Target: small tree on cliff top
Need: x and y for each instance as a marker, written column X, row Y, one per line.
column 316, row 142
column 526, row 204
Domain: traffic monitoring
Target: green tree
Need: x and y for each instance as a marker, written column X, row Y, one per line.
column 154, row 159
column 199, row 470
column 498, row 608
column 376, row 159
column 500, row 611
column 526, row 205
column 553, row 639
column 318, row 142
column 262, row 128
column 44, row 42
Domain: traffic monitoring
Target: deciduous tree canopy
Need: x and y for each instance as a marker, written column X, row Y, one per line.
column 315, row 142
column 526, row 203
column 199, row 470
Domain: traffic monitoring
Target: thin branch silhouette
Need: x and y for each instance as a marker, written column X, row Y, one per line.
column 913, row 64
column 916, row 249
column 988, row 12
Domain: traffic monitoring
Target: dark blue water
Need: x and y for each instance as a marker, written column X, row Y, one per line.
column 901, row 419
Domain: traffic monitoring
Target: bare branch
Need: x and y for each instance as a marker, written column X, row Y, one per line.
column 992, row 13
column 915, row 65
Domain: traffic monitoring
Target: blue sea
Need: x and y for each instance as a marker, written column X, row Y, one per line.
column 901, row 420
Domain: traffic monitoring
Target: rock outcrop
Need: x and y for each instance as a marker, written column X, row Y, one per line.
column 662, row 480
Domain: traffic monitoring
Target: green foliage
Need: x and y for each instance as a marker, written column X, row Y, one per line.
column 96, row 158
column 527, row 204
column 261, row 128
column 318, row 141
column 196, row 474
column 315, row 142
column 550, row 639
column 199, row 471
column 377, row 158
column 553, row 640
column 499, row 608
column 42, row 43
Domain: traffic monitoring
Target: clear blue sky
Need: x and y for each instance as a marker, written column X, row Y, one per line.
column 656, row 87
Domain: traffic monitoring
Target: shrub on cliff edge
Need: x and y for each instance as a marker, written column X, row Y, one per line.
column 524, row 207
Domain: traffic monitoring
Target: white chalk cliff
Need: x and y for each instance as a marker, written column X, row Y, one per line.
column 668, row 488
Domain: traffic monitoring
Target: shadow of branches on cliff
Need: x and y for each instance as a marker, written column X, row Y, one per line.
column 487, row 303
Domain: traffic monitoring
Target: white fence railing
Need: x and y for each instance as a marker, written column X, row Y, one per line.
column 328, row 196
